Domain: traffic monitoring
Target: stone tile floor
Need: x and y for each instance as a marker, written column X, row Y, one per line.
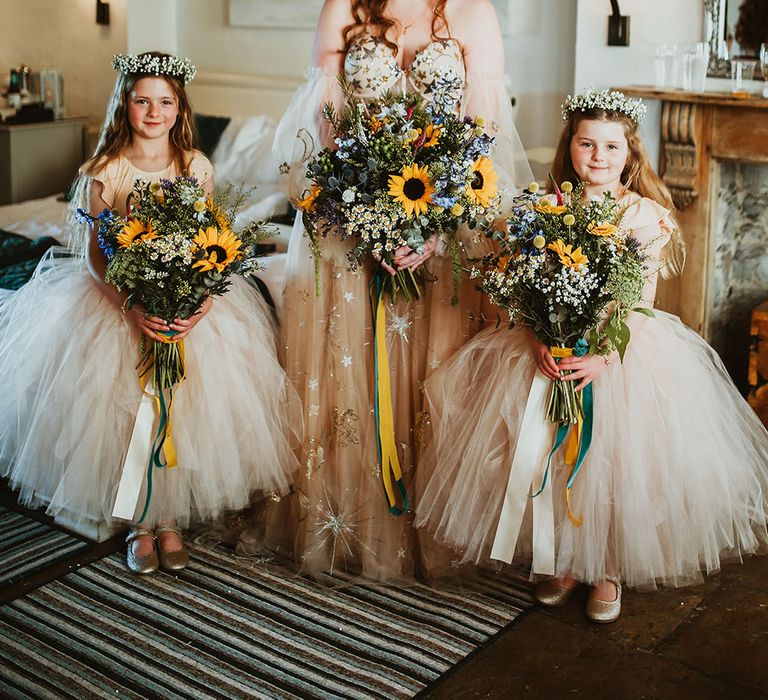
column 699, row 643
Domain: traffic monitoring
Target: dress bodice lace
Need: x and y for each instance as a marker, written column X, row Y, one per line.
column 372, row 70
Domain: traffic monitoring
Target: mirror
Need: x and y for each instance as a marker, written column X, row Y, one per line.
column 734, row 29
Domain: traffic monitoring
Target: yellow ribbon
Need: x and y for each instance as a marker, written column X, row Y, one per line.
column 390, row 463
column 169, row 449
column 574, row 439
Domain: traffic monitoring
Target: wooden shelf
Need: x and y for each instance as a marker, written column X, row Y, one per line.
column 720, row 99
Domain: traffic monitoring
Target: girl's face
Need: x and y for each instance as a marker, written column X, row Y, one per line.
column 152, row 108
column 599, row 152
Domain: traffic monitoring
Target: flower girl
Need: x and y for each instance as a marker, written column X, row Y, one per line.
column 676, row 477
column 69, row 351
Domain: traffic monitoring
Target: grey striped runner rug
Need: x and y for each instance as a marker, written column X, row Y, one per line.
column 229, row 628
column 27, row 545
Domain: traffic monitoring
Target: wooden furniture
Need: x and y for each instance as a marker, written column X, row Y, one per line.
column 758, row 363
column 40, row 159
column 697, row 131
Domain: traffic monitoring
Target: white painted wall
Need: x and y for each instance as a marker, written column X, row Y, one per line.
column 652, row 22
column 63, row 34
column 539, row 42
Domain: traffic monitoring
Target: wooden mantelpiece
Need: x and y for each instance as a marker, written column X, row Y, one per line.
column 698, row 130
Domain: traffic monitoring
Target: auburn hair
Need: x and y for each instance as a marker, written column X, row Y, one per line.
column 638, row 175
column 370, row 15
column 116, row 134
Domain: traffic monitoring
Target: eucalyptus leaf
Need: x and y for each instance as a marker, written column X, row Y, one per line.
column 645, row 311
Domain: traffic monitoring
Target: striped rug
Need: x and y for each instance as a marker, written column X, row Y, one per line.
column 27, row 545
column 229, row 628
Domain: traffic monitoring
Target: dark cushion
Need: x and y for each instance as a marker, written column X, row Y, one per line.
column 209, row 131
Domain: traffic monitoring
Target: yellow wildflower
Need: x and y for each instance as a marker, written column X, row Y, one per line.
column 601, row 229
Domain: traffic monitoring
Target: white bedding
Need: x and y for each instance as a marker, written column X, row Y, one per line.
column 35, row 218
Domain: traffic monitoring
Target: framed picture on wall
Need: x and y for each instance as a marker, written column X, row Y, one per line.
column 287, row 14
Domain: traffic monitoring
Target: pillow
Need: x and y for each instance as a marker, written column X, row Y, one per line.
column 209, row 131
column 244, row 156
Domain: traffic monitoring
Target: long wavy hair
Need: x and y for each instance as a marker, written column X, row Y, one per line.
column 638, row 175
column 370, row 15
column 115, row 136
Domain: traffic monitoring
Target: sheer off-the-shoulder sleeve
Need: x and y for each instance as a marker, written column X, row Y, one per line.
column 651, row 224
column 201, row 168
column 488, row 97
column 302, row 131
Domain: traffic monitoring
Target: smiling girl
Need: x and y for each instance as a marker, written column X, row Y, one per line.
column 68, row 354
column 676, row 478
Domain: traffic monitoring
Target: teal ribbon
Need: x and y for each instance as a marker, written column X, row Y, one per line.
column 155, row 457
column 375, row 291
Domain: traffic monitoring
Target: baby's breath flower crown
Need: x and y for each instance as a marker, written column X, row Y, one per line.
column 609, row 100
column 155, row 65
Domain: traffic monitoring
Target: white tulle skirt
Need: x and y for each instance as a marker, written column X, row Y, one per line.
column 70, row 395
column 676, row 479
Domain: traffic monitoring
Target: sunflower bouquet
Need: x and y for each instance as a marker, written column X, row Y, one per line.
column 401, row 172
column 567, row 270
column 173, row 250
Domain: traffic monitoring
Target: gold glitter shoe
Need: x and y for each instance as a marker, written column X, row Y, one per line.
column 604, row 611
column 172, row 561
column 141, row 564
column 553, row 596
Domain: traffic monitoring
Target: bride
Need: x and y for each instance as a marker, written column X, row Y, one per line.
column 337, row 516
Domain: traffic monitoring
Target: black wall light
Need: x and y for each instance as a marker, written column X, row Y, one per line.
column 102, row 12
column 618, row 27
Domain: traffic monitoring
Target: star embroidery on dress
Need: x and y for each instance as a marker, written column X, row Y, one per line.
column 314, row 410
column 346, row 360
column 349, row 296
column 401, row 553
column 434, row 363
column 302, row 323
column 313, row 384
column 400, row 325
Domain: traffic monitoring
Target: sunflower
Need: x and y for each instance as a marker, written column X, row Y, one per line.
column 135, row 230
column 483, row 186
column 220, row 248
column 412, row 189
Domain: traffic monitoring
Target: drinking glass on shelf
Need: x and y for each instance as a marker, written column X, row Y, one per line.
column 695, row 63
column 665, row 64
column 764, row 66
column 742, row 71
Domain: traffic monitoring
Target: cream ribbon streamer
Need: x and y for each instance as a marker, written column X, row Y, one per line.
column 528, row 464
column 137, row 458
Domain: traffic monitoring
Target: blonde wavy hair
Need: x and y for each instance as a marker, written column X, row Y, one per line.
column 638, row 176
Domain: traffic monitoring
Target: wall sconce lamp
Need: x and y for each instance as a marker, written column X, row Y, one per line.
column 102, row 12
column 618, row 27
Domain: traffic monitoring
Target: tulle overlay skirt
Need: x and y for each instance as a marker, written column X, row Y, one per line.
column 676, row 479
column 71, row 392
column 337, row 516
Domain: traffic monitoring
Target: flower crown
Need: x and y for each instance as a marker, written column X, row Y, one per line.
column 155, row 65
column 611, row 101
